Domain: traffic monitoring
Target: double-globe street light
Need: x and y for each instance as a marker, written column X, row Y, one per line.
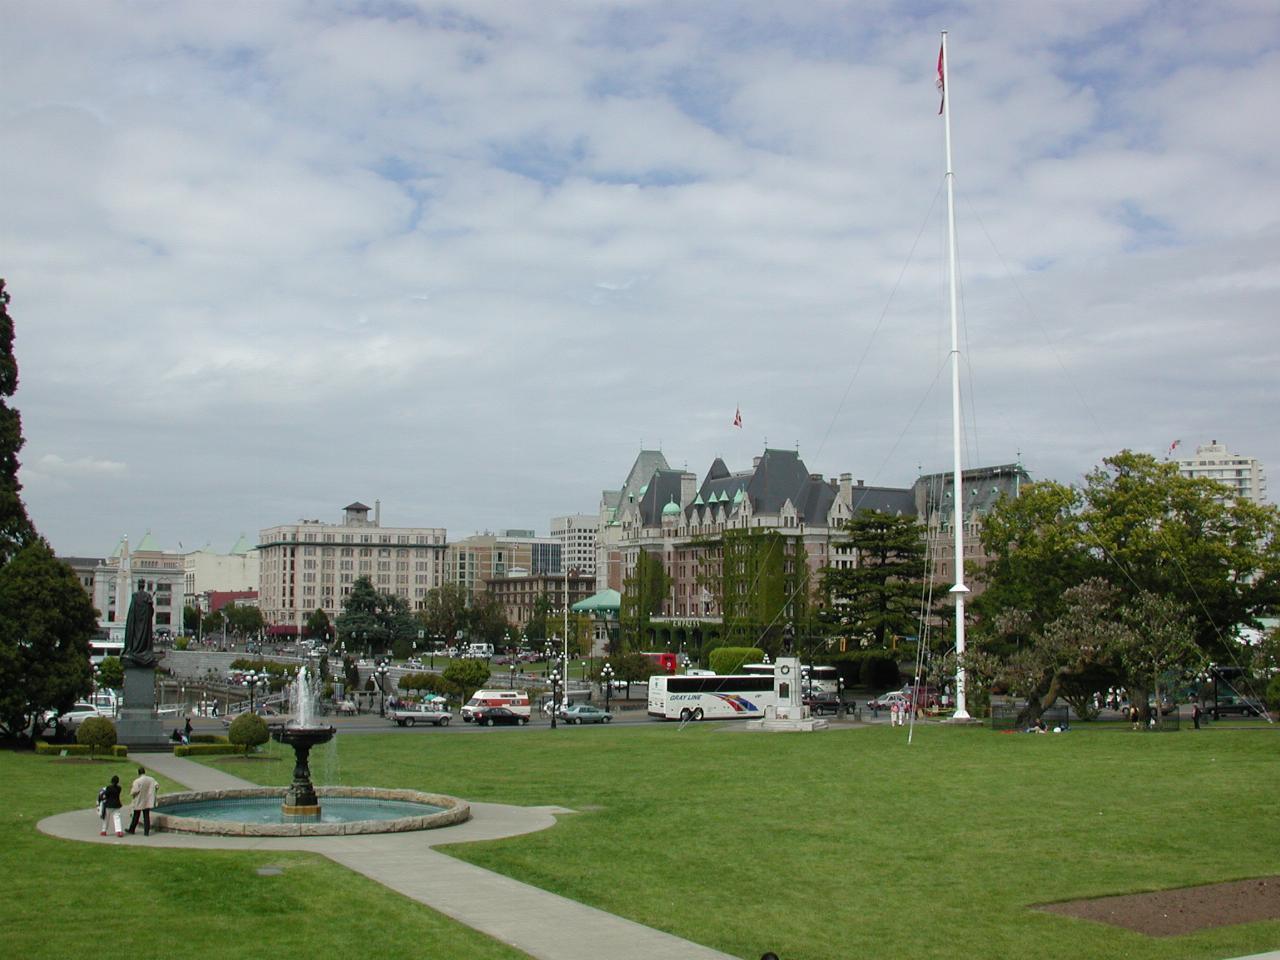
column 380, row 672
column 606, row 680
column 252, row 680
column 554, row 678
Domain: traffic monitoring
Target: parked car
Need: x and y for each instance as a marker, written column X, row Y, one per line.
column 489, row 716
column 886, row 701
column 585, row 713
column 70, row 719
column 1232, row 707
column 820, row 703
column 411, row 715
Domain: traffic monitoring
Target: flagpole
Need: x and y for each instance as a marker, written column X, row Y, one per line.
column 959, row 591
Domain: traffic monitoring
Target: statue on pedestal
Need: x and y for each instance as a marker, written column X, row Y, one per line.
column 137, row 632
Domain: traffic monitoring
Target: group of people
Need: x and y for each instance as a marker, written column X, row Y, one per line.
column 898, row 714
column 142, row 793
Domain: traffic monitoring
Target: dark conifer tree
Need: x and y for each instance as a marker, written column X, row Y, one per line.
column 16, row 530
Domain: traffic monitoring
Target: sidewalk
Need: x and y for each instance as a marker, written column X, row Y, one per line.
column 544, row 925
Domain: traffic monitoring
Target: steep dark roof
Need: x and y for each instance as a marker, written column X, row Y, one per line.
column 356, row 506
column 664, row 486
column 890, row 500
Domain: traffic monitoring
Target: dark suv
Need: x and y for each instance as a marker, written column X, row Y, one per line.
column 820, row 703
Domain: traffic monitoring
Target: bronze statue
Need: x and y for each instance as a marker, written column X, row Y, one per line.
column 137, row 632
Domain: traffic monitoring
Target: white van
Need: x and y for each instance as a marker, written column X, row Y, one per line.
column 480, row 651
column 517, row 701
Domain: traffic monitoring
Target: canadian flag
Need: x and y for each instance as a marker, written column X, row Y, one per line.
column 737, row 417
column 942, row 82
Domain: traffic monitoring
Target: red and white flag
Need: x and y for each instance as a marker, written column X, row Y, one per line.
column 737, row 417
column 1172, row 447
column 942, row 82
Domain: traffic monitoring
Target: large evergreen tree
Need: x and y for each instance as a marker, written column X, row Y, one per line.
column 16, row 530
column 373, row 618
column 879, row 597
column 46, row 621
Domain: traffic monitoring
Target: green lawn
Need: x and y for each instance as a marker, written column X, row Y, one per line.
column 849, row 843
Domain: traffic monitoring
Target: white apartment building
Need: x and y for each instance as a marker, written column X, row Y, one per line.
column 205, row 570
column 310, row 565
column 577, row 536
column 1243, row 475
column 126, row 571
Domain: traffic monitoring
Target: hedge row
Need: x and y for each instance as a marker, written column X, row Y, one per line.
column 207, row 749
column 78, row 750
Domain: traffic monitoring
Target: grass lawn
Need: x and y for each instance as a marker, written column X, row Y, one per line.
column 848, row 843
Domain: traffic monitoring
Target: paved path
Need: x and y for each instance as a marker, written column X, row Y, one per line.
column 543, row 925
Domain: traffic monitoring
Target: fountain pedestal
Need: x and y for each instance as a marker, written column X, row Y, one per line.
column 300, row 800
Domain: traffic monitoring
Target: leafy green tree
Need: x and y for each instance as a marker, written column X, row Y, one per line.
column 1160, row 646
column 191, row 616
column 879, row 597
column 244, row 621
column 1142, row 527
column 111, row 673
column 46, row 622
column 249, row 731
column 374, row 618
column 487, row 620
column 465, row 677
column 633, row 668
column 642, row 596
column 16, row 529
column 97, row 733
column 318, row 625
column 536, row 630
column 444, row 612
column 428, row 682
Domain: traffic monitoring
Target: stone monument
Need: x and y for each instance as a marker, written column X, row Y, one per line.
column 138, row 727
column 790, row 714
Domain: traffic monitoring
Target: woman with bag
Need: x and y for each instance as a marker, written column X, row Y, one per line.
column 109, row 806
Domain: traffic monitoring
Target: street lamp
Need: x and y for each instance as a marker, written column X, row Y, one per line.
column 606, row 680
column 253, row 679
column 554, row 678
column 381, row 673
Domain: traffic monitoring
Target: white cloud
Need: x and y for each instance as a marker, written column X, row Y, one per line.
column 293, row 254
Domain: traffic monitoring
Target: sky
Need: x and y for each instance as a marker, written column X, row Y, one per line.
column 468, row 259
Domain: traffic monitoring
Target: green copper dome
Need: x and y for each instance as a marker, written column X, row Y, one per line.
column 672, row 509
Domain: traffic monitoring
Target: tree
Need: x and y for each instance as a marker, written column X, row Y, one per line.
column 879, row 597
column 443, row 613
column 318, row 625
column 191, row 618
column 111, row 673
column 16, row 529
column 633, row 668
column 430, row 682
column 536, row 629
column 244, row 621
column 46, row 622
column 465, row 677
column 374, row 618
column 487, row 620
column 1159, row 646
column 1142, row 527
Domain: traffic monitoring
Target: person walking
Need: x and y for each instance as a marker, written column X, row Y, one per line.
column 109, row 807
column 1195, row 715
column 186, row 731
column 143, row 792
column 893, row 714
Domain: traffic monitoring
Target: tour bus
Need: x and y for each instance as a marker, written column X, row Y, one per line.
column 724, row 697
column 517, row 701
column 822, row 679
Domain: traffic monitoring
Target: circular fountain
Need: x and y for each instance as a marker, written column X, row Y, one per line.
column 297, row 810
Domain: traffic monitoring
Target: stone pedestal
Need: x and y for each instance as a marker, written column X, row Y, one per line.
column 790, row 714
column 137, row 727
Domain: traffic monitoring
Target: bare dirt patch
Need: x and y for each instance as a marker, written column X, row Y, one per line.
column 1169, row 913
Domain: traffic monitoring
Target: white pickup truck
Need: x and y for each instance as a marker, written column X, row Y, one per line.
column 409, row 716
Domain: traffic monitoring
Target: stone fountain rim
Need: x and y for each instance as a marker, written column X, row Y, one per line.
column 456, row 811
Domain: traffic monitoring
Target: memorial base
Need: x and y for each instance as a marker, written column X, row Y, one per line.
column 137, row 726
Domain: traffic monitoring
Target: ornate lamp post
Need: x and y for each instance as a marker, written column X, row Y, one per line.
column 381, row 672
column 554, row 678
column 606, row 680
column 253, row 679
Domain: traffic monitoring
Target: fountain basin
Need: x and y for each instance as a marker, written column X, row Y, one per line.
column 383, row 811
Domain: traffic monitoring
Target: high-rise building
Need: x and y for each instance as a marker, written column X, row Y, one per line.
column 311, row 565
column 1243, row 475
column 577, row 536
column 473, row 561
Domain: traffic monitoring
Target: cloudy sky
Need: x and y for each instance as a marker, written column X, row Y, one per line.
column 268, row 258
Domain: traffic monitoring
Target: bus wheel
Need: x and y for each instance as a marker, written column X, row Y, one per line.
column 685, row 715
column 697, row 714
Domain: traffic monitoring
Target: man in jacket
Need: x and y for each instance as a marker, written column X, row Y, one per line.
column 143, row 793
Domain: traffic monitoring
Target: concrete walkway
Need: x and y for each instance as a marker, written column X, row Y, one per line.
column 543, row 925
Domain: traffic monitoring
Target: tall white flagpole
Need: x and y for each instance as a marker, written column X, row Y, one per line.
column 959, row 591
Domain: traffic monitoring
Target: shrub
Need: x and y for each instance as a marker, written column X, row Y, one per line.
column 96, row 733
column 209, row 738
column 248, row 731
column 75, row 749
column 731, row 659
column 208, row 749
column 1273, row 693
